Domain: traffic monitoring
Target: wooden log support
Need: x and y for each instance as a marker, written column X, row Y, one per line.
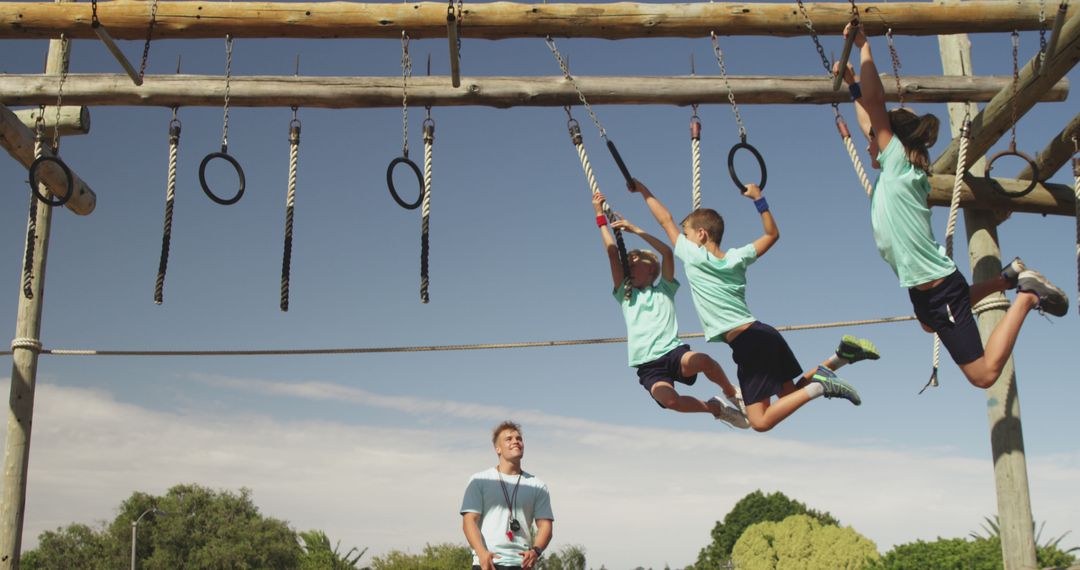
column 995, row 119
column 1057, row 153
column 73, row 120
column 128, row 19
column 18, row 140
column 501, row 92
column 978, row 194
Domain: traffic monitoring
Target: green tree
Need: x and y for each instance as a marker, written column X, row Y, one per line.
column 318, row 555
column 444, row 556
column 979, row 553
column 76, row 546
column 800, row 542
column 569, row 557
column 753, row 508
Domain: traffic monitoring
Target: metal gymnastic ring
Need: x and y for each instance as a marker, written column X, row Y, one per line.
column 1034, row 173
column 206, row 187
column 390, row 182
column 731, row 165
column 60, row 201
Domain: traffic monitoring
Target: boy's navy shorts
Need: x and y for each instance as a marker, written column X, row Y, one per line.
column 946, row 309
column 765, row 362
column 667, row 368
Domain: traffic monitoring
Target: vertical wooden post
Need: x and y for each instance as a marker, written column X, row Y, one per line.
column 24, row 362
column 1002, row 399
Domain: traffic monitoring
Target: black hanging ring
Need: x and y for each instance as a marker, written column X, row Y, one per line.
column 1031, row 163
column 731, row 165
column 419, row 182
column 206, row 187
column 61, row 200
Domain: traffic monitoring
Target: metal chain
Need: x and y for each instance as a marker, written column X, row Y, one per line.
column 93, row 14
column 730, row 94
column 228, row 78
column 1015, row 84
column 1042, row 33
column 895, row 65
column 566, row 73
column 149, row 34
column 65, row 61
column 406, row 73
column 814, row 36
column 460, row 13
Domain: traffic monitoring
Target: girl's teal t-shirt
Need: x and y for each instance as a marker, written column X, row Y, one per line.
column 652, row 330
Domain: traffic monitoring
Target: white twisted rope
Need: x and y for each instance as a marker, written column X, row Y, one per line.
column 950, row 229
column 170, row 196
column 25, row 342
column 855, row 162
column 425, row 212
column 427, row 348
column 290, row 204
column 990, row 304
column 695, row 153
column 589, row 175
column 1076, row 191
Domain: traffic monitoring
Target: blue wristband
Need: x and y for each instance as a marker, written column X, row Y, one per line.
column 761, row 205
column 856, row 90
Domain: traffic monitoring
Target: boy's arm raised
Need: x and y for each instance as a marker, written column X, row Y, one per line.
column 609, row 242
column 658, row 209
column 772, row 232
column 667, row 259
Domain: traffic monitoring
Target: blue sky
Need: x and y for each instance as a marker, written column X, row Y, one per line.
column 376, row 449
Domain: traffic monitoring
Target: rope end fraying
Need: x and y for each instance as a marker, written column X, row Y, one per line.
column 932, row 382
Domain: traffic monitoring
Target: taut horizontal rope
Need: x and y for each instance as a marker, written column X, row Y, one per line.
column 429, row 348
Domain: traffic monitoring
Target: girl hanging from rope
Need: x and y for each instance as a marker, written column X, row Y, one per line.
column 652, row 329
column 899, row 143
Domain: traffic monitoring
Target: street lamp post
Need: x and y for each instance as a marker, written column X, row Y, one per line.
column 135, row 527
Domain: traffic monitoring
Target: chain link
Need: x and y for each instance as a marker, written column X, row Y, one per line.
column 149, row 34
column 814, row 36
column 895, row 65
column 730, row 94
column 460, row 12
column 93, row 14
column 1015, row 84
column 228, row 78
column 406, row 73
column 1042, row 33
column 65, row 61
column 566, row 73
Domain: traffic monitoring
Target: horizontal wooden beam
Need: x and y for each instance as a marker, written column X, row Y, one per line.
column 72, row 120
column 18, row 140
column 126, row 19
column 977, row 193
column 1057, row 153
column 990, row 124
column 502, row 92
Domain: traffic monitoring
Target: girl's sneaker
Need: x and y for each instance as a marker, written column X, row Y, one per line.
column 1051, row 299
column 835, row 387
column 729, row 415
column 855, row 349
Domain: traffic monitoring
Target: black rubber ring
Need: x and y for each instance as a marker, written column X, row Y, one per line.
column 206, row 188
column 60, row 201
column 390, row 182
column 997, row 187
column 619, row 162
column 731, row 165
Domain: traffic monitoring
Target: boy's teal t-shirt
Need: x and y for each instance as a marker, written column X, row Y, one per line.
column 718, row 286
column 652, row 329
column 901, row 220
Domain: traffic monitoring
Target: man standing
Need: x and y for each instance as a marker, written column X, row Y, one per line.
column 506, row 512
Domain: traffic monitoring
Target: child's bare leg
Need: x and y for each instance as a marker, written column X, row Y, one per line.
column 665, row 393
column 695, row 362
column 984, row 372
column 764, row 415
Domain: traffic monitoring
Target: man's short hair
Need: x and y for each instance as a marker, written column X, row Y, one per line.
column 506, row 425
column 709, row 220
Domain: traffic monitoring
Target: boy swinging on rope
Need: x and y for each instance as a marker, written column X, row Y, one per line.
column 652, row 330
column 899, row 148
column 766, row 365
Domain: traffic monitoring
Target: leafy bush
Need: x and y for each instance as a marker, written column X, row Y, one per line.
column 801, row 542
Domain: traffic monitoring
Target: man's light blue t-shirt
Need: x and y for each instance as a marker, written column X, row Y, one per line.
column 652, row 330
column 718, row 286
column 901, row 220
column 484, row 495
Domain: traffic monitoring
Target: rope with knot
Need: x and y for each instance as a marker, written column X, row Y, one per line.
column 170, row 196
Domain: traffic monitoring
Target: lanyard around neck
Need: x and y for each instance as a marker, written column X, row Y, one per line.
column 511, row 500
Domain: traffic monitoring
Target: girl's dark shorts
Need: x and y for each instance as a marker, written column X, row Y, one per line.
column 765, row 362
column 946, row 309
column 667, row 368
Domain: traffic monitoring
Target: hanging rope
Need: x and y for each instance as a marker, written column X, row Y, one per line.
column 1076, row 192
column 695, row 157
column 170, row 196
column 426, row 348
column 950, row 229
column 31, row 220
column 425, row 207
column 290, row 203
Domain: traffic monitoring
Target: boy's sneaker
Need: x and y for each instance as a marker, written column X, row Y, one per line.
column 1012, row 271
column 1051, row 299
column 737, row 400
column 835, row 387
column 729, row 415
column 855, row 349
